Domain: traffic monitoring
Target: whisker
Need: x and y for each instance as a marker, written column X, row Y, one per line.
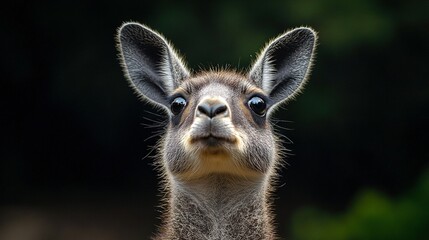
column 157, row 134
column 281, row 127
column 155, row 114
column 288, row 140
column 154, row 120
column 281, row 120
column 154, row 123
column 151, row 149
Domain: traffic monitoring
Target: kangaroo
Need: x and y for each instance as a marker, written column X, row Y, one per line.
column 219, row 154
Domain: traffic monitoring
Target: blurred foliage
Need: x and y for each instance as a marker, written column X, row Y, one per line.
column 372, row 215
column 226, row 30
column 345, row 24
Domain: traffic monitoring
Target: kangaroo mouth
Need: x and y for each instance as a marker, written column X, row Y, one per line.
column 212, row 140
column 212, row 133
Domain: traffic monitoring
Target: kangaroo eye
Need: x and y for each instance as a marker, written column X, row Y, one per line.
column 258, row 105
column 178, row 105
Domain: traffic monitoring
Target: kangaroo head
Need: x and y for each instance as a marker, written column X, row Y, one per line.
column 218, row 120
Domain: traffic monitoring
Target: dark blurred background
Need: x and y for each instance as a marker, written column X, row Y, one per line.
column 73, row 147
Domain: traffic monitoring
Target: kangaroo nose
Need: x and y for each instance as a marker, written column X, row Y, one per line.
column 212, row 110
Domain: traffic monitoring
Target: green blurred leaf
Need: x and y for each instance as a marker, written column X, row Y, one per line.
column 371, row 216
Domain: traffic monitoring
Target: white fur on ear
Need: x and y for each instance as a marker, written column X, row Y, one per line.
column 263, row 70
column 283, row 65
column 150, row 63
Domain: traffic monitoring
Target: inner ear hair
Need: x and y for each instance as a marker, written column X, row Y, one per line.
column 150, row 63
column 284, row 64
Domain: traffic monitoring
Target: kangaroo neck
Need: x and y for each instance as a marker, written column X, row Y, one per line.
column 220, row 207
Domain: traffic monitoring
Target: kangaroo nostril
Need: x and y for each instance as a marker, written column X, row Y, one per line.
column 218, row 109
column 205, row 109
column 212, row 110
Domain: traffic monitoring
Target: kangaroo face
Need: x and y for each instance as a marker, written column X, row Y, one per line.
column 219, row 121
column 219, row 125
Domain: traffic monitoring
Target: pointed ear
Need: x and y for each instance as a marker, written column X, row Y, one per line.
column 150, row 64
column 282, row 67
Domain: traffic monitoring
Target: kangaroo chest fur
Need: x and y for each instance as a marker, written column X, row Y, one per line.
column 219, row 208
column 219, row 153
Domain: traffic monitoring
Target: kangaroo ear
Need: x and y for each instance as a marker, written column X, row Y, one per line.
column 149, row 62
column 283, row 65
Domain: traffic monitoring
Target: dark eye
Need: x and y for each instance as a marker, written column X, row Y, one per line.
column 178, row 105
column 257, row 105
